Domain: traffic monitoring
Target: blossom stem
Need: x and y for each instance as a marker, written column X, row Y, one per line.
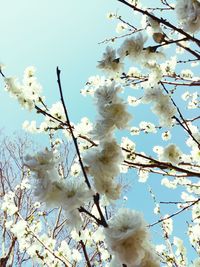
column 70, row 128
column 85, row 253
column 176, row 213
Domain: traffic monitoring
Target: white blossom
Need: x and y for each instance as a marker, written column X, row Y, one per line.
column 166, row 135
column 169, row 184
column 171, row 153
column 128, row 144
column 112, row 111
column 84, row 127
column 8, row 203
column 132, row 47
column 121, row 27
column 133, row 101
column 147, row 127
column 105, row 160
column 43, row 160
column 128, row 239
column 162, row 105
column 167, row 225
column 55, row 192
column 188, row 13
column 57, row 111
column 29, row 92
column 104, row 164
column 135, row 131
column 143, row 176
column 196, row 263
column 110, row 62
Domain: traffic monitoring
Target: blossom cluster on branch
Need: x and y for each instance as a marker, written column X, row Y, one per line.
column 87, row 193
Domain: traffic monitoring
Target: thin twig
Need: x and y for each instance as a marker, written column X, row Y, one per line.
column 176, row 213
column 70, row 128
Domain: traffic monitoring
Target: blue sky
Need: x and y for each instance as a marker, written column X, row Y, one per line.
column 47, row 34
column 62, row 33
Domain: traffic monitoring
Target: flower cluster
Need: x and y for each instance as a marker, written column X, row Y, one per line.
column 8, row 204
column 129, row 241
column 29, row 92
column 112, row 111
column 132, row 48
column 188, row 13
column 104, row 162
column 55, row 191
column 162, row 105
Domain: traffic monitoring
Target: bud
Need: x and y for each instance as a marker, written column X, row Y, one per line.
column 158, row 37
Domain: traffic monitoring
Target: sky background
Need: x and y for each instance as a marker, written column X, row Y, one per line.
column 66, row 33
column 47, row 34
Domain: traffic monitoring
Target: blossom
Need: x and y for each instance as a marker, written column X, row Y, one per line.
column 169, row 184
column 110, row 63
column 168, row 225
column 70, row 195
column 166, row 135
column 117, row 115
column 112, row 111
column 152, row 94
column 147, row 127
column 135, row 131
column 181, row 251
column 54, row 191
column 133, row 101
column 134, row 72
column 186, row 74
column 104, row 164
column 12, row 86
column 76, row 255
column 111, row 15
column 128, row 144
column 194, row 235
column 43, row 160
column 84, row 127
column 196, row 263
column 74, row 194
column 29, row 92
column 103, row 129
column 195, row 153
column 155, row 25
column 19, row 229
column 165, row 111
column 121, row 27
column 143, row 175
column 162, row 105
column 75, row 169
column 188, row 13
column 108, row 187
column 105, row 160
column 29, row 126
column 57, row 111
column 171, row 153
column 132, row 47
column 169, row 66
column 128, row 239
column 24, row 97
column 8, row 204
column 107, row 94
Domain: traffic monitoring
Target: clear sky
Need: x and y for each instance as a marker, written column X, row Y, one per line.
column 64, row 33
column 47, row 34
